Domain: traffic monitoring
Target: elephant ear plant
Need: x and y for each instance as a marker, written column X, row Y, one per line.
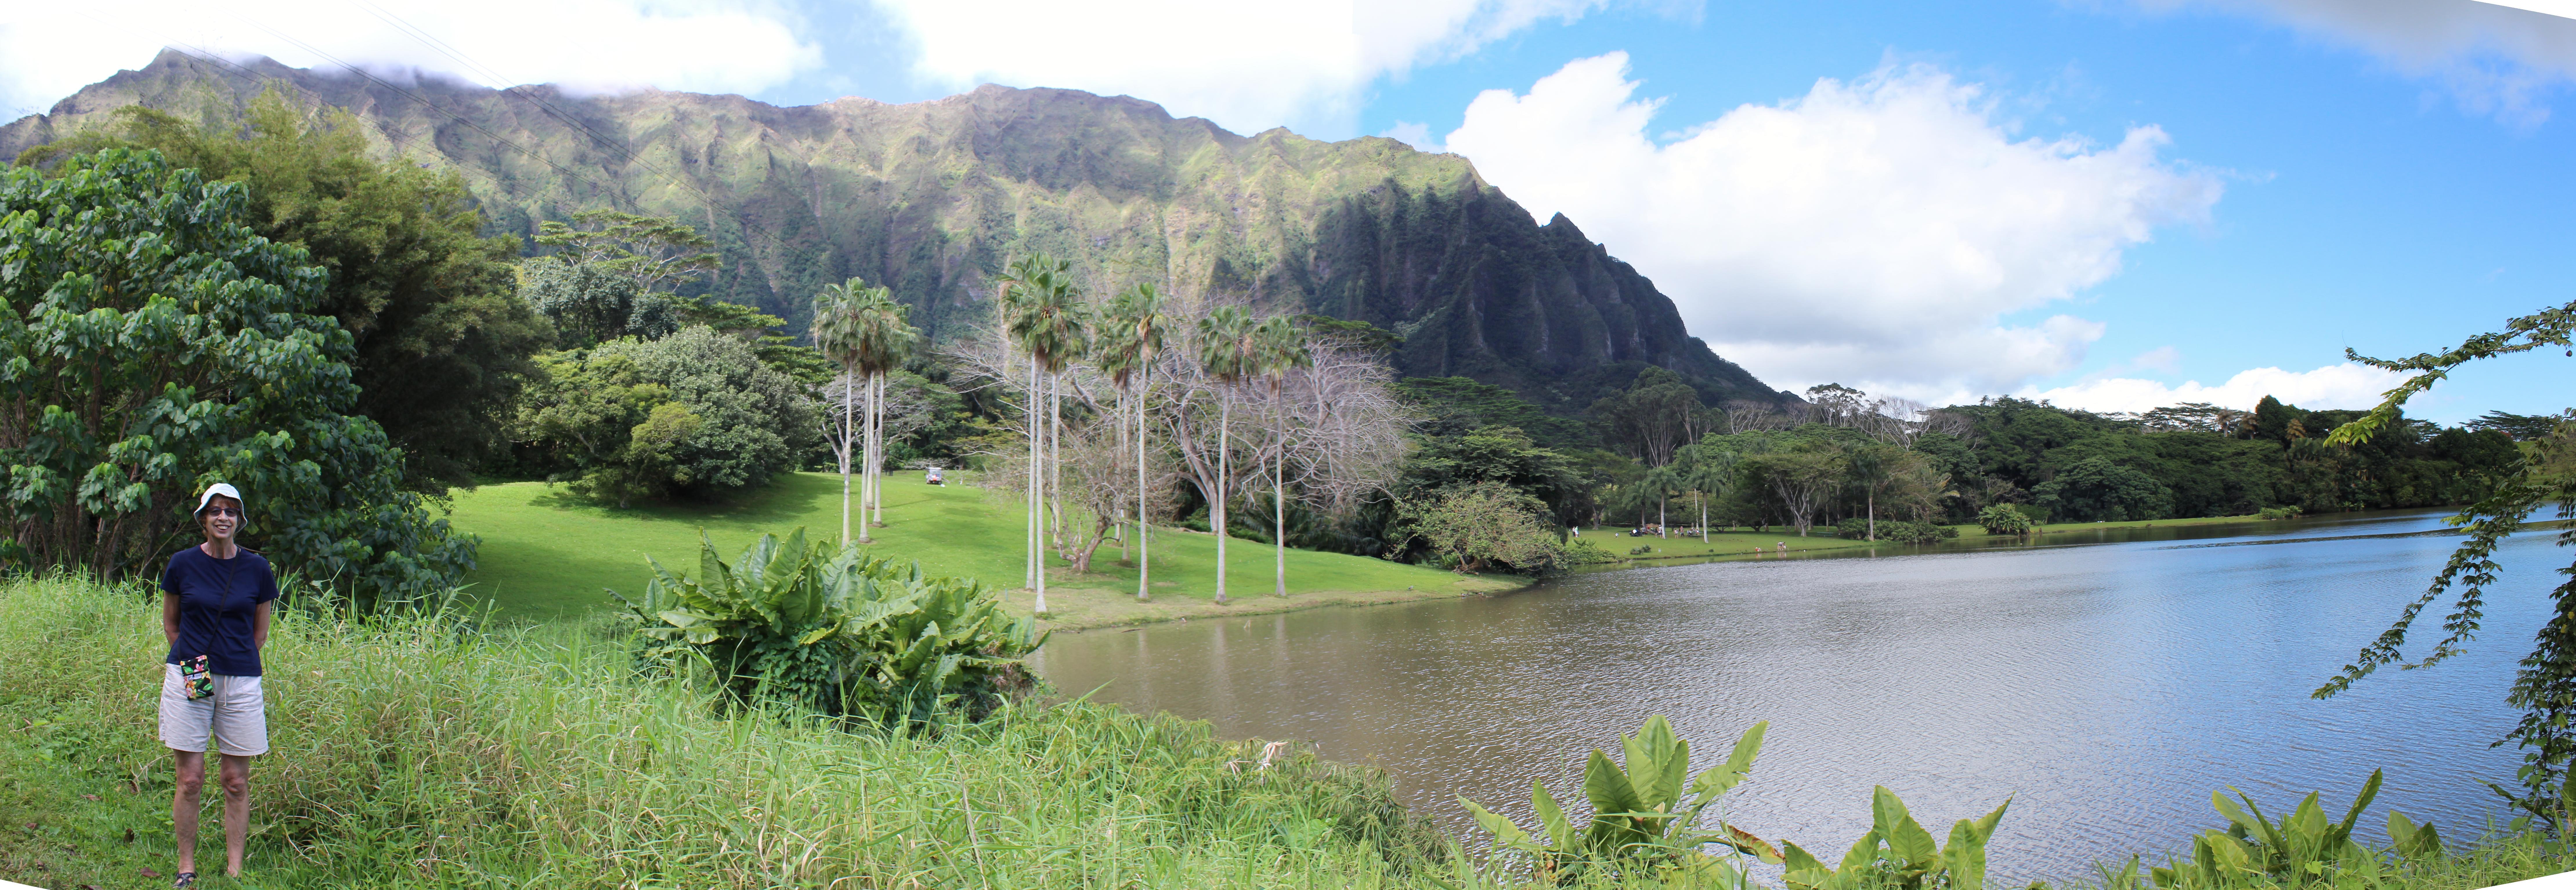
column 1644, row 821
column 2300, row 849
column 833, row 631
column 1897, row 852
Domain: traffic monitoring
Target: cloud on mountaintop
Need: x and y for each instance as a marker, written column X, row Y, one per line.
column 1246, row 66
column 49, row 51
column 2493, row 59
column 1877, row 232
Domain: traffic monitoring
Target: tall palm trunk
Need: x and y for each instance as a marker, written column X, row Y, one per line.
column 1873, row 513
column 1055, row 462
column 846, row 436
column 1037, row 442
column 1144, row 552
column 1660, row 528
column 876, row 450
column 1216, row 505
column 1279, row 523
column 1703, row 516
column 867, row 450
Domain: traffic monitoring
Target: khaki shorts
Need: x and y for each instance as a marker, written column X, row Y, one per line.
column 236, row 717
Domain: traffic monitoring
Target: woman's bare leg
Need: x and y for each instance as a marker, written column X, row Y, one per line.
column 183, row 805
column 235, row 774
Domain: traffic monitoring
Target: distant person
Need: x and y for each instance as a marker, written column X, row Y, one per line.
column 933, row 478
column 1784, row 548
column 216, row 601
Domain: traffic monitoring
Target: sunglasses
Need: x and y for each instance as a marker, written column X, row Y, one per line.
column 224, row 511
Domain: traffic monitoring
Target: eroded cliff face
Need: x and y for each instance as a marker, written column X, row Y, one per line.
column 932, row 199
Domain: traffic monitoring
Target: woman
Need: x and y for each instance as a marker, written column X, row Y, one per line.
column 215, row 607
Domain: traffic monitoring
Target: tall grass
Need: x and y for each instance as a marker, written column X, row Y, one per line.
column 408, row 754
column 415, row 753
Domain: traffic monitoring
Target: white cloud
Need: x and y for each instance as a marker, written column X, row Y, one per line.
column 2345, row 385
column 1875, row 233
column 1246, row 66
column 48, row 51
column 2494, row 58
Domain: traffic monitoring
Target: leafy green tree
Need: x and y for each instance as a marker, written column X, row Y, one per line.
column 657, row 253
column 591, row 304
column 599, row 413
column 1657, row 414
column 1456, row 405
column 1481, row 526
column 1800, row 480
column 2545, row 685
column 441, row 341
column 2098, row 490
column 151, row 342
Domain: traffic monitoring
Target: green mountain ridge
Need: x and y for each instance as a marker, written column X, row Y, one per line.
column 932, row 198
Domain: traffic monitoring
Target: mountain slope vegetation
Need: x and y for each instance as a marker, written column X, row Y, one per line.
column 932, row 198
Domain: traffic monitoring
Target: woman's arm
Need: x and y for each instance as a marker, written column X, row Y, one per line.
column 259, row 625
column 170, row 618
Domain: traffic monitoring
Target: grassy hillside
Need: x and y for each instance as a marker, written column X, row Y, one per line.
column 546, row 554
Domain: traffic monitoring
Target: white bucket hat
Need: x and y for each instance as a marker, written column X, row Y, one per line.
column 220, row 488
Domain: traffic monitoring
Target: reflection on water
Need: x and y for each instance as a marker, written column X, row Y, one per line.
column 2107, row 689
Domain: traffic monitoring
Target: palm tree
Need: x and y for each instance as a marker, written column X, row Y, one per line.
column 1281, row 350
column 1662, row 482
column 887, row 340
column 1130, row 340
column 839, row 318
column 1042, row 309
column 1230, row 351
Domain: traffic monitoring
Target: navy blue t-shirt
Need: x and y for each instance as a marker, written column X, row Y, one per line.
column 218, row 600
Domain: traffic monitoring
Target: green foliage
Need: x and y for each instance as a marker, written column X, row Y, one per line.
column 657, row 253
column 1453, row 406
column 2002, row 519
column 1900, row 531
column 1479, row 526
column 1658, row 413
column 1645, row 819
column 2098, row 490
column 150, row 343
column 591, row 303
column 417, row 756
column 2302, row 849
column 440, row 341
column 1898, row 853
column 2277, row 513
column 831, row 630
column 1582, row 552
column 596, row 416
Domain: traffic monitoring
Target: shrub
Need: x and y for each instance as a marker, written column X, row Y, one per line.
column 152, row 344
column 2278, row 512
column 1580, row 552
column 2002, row 519
column 694, row 413
column 1898, row 531
column 1480, row 526
column 833, row 631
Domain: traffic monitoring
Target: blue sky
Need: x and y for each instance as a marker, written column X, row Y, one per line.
column 2112, row 204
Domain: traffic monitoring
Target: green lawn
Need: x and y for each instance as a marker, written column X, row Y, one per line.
column 547, row 554
column 1743, row 543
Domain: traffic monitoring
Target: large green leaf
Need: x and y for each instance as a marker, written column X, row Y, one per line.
column 1885, row 810
column 1965, row 857
column 1718, row 780
column 1796, row 860
column 1560, row 830
column 1657, row 764
column 1913, row 845
column 1506, row 834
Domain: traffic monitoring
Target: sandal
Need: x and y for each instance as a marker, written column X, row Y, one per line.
column 186, row 880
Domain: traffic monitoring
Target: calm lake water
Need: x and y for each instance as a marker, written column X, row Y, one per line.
column 2106, row 687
